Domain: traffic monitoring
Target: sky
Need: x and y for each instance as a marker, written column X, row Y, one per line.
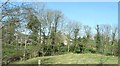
column 88, row 13
column 61, row 0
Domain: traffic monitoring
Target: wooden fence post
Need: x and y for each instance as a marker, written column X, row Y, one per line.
column 39, row 62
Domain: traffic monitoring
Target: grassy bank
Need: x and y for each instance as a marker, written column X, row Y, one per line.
column 71, row 58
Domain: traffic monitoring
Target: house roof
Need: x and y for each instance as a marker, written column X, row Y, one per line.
column 61, row 37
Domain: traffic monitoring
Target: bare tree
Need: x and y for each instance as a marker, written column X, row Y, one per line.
column 76, row 33
column 114, row 40
column 87, row 30
column 105, row 36
column 57, row 19
column 4, row 3
column 69, row 31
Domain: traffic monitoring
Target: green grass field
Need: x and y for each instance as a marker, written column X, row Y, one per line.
column 71, row 58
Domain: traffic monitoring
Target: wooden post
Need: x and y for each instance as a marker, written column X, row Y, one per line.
column 39, row 62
